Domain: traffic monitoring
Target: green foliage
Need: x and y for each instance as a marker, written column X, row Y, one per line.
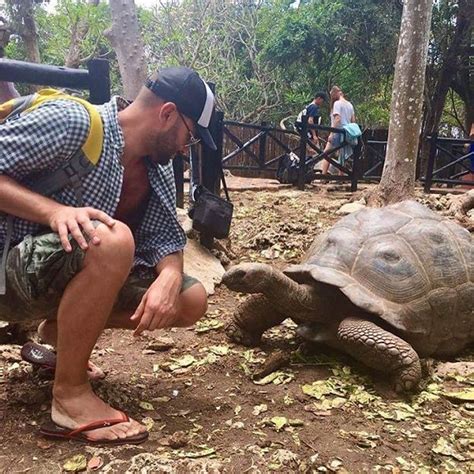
column 266, row 57
column 57, row 29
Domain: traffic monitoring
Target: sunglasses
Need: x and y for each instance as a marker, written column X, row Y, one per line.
column 192, row 139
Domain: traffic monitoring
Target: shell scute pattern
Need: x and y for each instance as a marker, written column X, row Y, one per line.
column 406, row 264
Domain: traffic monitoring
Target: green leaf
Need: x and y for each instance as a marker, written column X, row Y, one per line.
column 320, row 388
column 182, row 362
column 277, row 378
column 149, row 423
column 75, row 464
column 198, row 454
column 146, row 406
column 219, row 350
column 443, row 447
column 257, row 409
column 461, row 396
column 206, row 325
column 279, row 422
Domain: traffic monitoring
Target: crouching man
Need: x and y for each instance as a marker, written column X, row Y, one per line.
column 116, row 261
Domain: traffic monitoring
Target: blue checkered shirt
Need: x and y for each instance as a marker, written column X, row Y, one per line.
column 42, row 139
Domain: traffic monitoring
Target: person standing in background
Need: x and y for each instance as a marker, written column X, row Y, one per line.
column 342, row 113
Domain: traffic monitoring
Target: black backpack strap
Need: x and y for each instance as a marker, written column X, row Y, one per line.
column 70, row 173
column 3, row 263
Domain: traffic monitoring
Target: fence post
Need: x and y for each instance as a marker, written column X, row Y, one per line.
column 178, row 169
column 99, row 80
column 355, row 164
column 431, row 160
column 211, row 162
column 262, row 148
column 302, row 152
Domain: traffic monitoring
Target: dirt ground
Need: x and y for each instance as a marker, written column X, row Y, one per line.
column 320, row 412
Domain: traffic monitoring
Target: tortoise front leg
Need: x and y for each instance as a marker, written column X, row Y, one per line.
column 251, row 319
column 381, row 350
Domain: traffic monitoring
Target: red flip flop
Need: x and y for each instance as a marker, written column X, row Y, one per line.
column 44, row 360
column 54, row 431
column 40, row 357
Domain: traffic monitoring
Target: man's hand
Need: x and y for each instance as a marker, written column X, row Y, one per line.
column 158, row 308
column 77, row 221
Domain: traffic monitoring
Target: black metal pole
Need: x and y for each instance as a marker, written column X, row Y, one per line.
column 262, row 145
column 210, row 159
column 431, row 160
column 178, row 168
column 355, row 164
column 211, row 162
column 99, row 81
column 32, row 73
column 303, row 142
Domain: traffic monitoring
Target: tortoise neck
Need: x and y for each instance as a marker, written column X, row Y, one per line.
column 290, row 296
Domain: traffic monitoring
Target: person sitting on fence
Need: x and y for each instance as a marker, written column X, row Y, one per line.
column 117, row 262
column 313, row 112
column 342, row 113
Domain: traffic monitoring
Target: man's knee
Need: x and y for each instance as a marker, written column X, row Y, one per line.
column 194, row 304
column 116, row 247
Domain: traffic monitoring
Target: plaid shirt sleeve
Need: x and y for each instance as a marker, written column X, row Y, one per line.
column 41, row 139
column 160, row 233
column 156, row 242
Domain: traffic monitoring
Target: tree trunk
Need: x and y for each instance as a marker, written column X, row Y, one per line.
column 78, row 32
column 7, row 91
column 451, row 64
column 398, row 177
column 30, row 35
column 24, row 22
column 124, row 35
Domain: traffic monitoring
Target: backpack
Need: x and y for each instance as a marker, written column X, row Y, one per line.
column 287, row 171
column 71, row 171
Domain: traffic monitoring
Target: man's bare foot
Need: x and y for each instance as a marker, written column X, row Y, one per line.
column 79, row 406
column 48, row 333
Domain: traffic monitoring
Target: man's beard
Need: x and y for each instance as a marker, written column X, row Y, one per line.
column 164, row 148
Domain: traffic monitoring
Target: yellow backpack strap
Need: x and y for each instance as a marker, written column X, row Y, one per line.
column 71, row 172
column 92, row 147
column 16, row 105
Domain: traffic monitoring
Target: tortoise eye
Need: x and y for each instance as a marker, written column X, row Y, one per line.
column 390, row 256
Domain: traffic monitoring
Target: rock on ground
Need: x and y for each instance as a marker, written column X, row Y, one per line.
column 201, row 264
column 350, row 207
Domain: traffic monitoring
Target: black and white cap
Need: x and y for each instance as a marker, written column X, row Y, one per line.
column 192, row 96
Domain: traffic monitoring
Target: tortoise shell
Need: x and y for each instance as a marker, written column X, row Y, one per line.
column 405, row 264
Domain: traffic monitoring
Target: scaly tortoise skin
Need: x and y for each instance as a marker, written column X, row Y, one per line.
column 386, row 286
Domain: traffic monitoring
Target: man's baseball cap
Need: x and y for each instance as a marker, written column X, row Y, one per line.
column 192, row 96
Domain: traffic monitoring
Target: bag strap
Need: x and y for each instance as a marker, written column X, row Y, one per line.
column 3, row 263
column 224, row 185
column 92, row 147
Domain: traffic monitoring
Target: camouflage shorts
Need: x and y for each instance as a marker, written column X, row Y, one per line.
column 38, row 270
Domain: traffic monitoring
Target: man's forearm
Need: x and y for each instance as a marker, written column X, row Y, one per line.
column 19, row 201
column 172, row 263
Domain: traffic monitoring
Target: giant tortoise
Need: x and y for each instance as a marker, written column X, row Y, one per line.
column 386, row 286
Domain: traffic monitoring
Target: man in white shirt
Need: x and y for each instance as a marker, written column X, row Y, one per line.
column 342, row 113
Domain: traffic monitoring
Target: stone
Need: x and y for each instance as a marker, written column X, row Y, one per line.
column 350, row 207
column 184, row 221
column 463, row 368
column 161, row 344
column 201, row 264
